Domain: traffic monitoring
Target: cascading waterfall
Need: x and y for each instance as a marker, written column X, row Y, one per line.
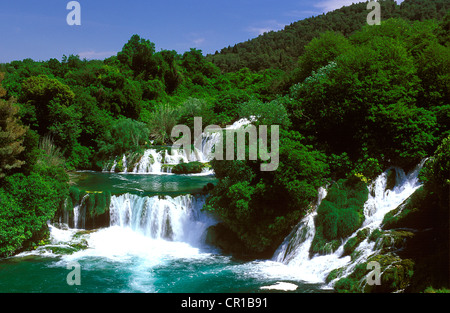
column 79, row 213
column 295, row 247
column 167, row 218
column 295, row 250
column 161, row 161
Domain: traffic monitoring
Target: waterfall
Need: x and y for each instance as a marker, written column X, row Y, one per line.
column 79, row 213
column 295, row 250
column 161, row 161
column 174, row 219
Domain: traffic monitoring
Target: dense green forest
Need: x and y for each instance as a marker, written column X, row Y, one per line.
column 351, row 100
column 281, row 50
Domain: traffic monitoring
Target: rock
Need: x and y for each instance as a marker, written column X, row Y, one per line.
column 224, row 239
column 412, row 213
column 391, row 179
column 396, row 273
column 353, row 242
column 392, row 240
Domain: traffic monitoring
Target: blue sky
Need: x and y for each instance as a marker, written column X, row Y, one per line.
column 38, row 29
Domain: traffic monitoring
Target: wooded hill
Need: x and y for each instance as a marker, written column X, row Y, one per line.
column 281, row 49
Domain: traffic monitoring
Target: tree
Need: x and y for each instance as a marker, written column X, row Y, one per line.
column 137, row 55
column 162, row 121
column 11, row 137
column 48, row 108
column 366, row 102
column 125, row 135
column 319, row 52
column 248, row 201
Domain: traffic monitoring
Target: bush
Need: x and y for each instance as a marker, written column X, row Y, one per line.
column 125, row 135
column 340, row 214
column 27, row 203
column 248, row 200
column 188, row 168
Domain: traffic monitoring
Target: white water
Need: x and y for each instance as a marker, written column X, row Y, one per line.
column 153, row 229
column 158, row 230
column 176, row 219
column 294, row 252
column 161, row 161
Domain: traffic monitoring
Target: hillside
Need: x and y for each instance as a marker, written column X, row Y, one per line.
column 281, row 49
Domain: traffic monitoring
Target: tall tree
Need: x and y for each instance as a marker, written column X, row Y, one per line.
column 11, row 137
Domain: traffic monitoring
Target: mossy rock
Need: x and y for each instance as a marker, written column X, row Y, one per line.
column 334, row 274
column 339, row 215
column 353, row 242
column 395, row 276
column 396, row 273
column 188, row 168
column 408, row 214
column 167, row 168
column 375, row 234
column 68, row 249
column 119, row 166
column 392, row 240
column 391, row 179
column 221, row 237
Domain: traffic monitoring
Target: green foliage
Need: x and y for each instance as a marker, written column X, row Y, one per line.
column 340, row 214
column 188, row 168
column 192, row 108
column 161, row 122
column 48, row 109
column 437, row 175
column 265, row 113
column 125, row 135
column 247, row 200
column 319, row 52
column 345, row 106
column 27, row 203
column 11, row 137
column 283, row 48
column 137, row 55
column 437, row 170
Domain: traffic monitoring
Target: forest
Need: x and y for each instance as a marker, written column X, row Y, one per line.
column 350, row 99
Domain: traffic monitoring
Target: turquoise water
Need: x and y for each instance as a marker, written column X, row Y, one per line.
column 145, row 185
column 217, row 274
column 125, row 259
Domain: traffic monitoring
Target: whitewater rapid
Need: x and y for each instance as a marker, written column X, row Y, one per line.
column 294, row 252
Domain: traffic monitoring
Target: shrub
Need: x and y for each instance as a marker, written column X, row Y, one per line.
column 340, row 214
column 188, row 168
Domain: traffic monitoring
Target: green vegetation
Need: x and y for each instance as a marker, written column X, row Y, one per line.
column 94, row 206
column 350, row 100
column 248, row 202
column 188, row 168
column 281, row 50
column 339, row 215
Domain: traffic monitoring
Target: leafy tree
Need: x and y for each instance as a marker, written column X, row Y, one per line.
column 347, row 107
column 248, row 201
column 266, row 113
column 11, row 137
column 194, row 107
column 162, row 121
column 124, row 135
column 137, row 55
column 319, row 52
column 48, row 109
